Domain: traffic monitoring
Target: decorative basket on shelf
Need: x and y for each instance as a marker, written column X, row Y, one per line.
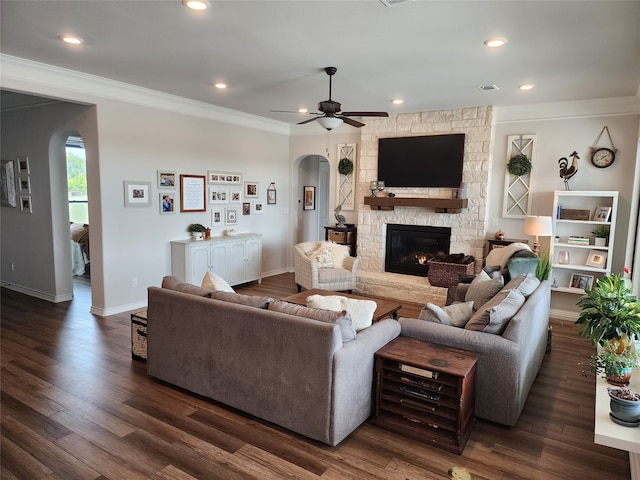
column 447, row 274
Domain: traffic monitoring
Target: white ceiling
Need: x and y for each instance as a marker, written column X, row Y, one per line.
column 272, row 53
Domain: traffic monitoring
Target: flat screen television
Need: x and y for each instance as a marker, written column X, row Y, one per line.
column 425, row 161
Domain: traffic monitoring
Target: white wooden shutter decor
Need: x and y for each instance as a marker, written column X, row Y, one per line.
column 347, row 183
column 517, row 189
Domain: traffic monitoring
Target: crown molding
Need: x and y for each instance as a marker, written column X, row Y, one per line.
column 35, row 78
column 602, row 107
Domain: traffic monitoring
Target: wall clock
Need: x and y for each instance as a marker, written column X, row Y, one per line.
column 602, row 157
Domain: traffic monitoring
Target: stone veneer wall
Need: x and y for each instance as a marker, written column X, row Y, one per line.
column 467, row 228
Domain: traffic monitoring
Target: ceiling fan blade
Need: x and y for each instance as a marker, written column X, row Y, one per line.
column 365, row 114
column 295, row 111
column 307, row 121
column 350, row 121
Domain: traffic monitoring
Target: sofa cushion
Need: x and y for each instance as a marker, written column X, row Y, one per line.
column 249, row 300
column 342, row 318
column 494, row 315
column 212, row 281
column 482, row 288
column 322, row 256
column 525, row 283
column 455, row 315
column 172, row 283
column 361, row 311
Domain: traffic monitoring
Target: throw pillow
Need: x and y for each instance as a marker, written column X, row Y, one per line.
column 339, row 253
column 494, row 315
column 239, row 298
column 525, row 283
column 322, row 256
column 361, row 311
column 455, row 315
column 482, row 289
column 343, row 319
column 215, row 282
column 172, row 283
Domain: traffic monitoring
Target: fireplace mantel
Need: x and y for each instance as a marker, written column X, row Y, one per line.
column 440, row 205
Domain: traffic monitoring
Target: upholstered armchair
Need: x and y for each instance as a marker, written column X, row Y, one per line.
column 324, row 265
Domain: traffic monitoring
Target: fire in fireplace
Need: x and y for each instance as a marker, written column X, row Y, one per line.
column 409, row 247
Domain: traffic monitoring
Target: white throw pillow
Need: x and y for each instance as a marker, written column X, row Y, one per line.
column 322, row 256
column 455, row 315
column 212, row 281
column 339, row 253
column 361, row 311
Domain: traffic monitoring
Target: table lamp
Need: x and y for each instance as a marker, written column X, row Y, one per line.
column 537, row 226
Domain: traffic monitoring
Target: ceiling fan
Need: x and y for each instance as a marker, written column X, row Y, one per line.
column 331, row 114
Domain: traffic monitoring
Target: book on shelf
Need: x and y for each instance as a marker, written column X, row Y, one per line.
column 418, row 371
column 578, row 240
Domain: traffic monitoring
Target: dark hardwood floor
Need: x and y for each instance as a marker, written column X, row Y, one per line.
column 75, row 406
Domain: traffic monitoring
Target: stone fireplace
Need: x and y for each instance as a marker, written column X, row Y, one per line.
column 467, row 228
column 410, row 247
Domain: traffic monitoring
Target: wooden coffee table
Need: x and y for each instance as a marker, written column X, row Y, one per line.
column 385, row 308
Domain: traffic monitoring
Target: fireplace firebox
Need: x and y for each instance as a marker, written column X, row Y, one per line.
column 410, row 247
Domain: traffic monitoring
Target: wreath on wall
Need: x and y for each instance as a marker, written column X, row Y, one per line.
column 345, row 166
column 519, row 165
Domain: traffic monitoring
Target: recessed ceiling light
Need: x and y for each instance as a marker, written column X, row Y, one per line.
column 71, row 39
column 303, row 110
column 526, row 86
column 196, row 4
column 220, row 85
column 495, row 42
column 397, row 101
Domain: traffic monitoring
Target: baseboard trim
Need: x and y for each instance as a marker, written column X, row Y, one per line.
column 38, row 294
column 560, row 314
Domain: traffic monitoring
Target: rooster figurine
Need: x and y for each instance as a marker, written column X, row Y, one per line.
column 566, row 171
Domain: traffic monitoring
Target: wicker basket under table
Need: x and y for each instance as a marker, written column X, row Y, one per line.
column 443, row 274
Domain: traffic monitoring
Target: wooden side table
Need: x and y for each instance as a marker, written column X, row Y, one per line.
column 343, row 236
column 139, row 336
column 495, row 243
column 426, row 391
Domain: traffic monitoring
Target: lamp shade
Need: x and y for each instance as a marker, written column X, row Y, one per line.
column 330, row 122
column 538, row 226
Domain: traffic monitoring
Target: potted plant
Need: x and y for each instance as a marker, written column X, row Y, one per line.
column 197, row 230
column 609, row 311
column 616, row 368
column 543, row 269
column 601, row 234
column 625, row 406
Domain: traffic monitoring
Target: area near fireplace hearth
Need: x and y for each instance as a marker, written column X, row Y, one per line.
column 467, row 227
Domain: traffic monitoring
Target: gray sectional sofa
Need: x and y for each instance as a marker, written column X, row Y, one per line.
column 293, row 371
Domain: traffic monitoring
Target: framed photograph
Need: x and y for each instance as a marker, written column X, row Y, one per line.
column 166, row 179
column 230, row 216
column 216, row 217
column 578, row 280
column 167, row 203
column 235, row 196
column 218, row 195
column 250, row 189
column 602, row 214
column 25, row 203
column 23, row 166
column 271, row 194
column 309, row 202
column 8, row 197
column 246, row 208
column 258, row 208
column 230, row 178
column 137, row 194
column 192, row 193
column 596, row 258
column 24, row 184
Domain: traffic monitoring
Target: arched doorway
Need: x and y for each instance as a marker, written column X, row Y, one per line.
column 313, row 171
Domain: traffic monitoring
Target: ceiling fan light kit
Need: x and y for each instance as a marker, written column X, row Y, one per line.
column 330, row 122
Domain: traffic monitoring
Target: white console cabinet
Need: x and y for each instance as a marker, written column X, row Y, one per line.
column 237, row 259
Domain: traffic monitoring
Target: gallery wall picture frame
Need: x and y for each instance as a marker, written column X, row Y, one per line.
column 230, row 216
column 23, row 165
column 251, row 189
column 309, row 198
column 601, row 214
column 167, row 203
column 166, row 179
column 193, row 193
column 579, row 280
column 8, row 195
column 258, row 208
column 235, row 196
column 218, row 195
column 137, row 193
column 216, row 217
column 271, row 194
column 246, row 208
column 24, row 184
column 597, row 258
column 25, row 204
column 229, row 178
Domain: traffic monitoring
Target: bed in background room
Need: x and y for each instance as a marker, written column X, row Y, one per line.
column 79, row 247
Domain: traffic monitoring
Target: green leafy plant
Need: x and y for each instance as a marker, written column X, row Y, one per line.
column 601, row 232
column 608, row 311
column 543, row 269
column 519, row 165
column 196, row 227
column 606, row 362
column 345, row 166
